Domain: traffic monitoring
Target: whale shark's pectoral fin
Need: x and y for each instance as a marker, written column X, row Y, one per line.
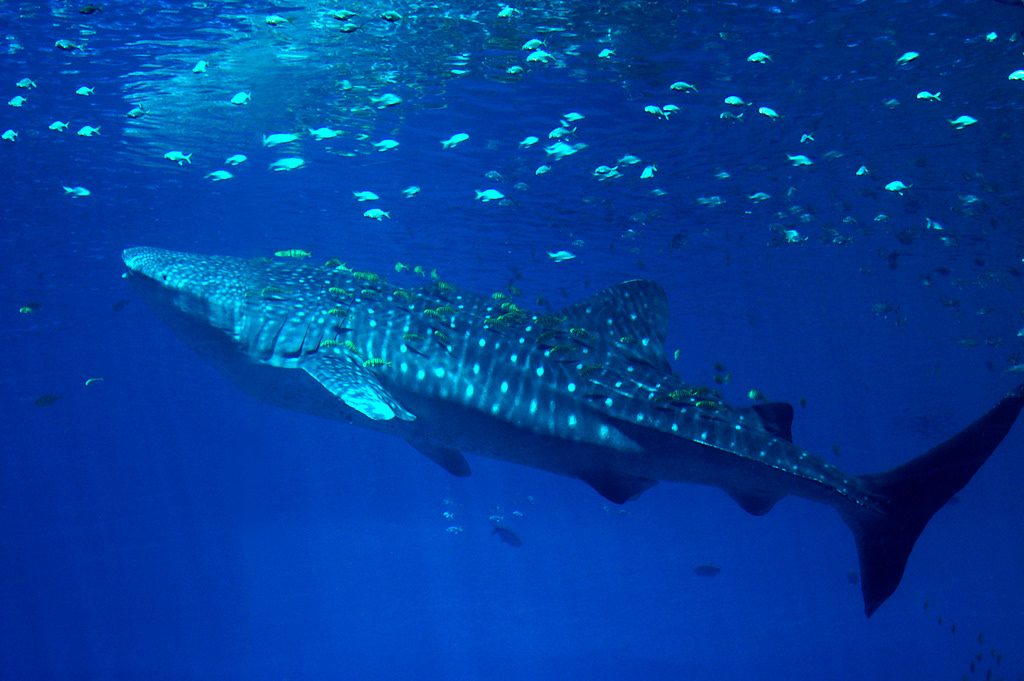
column 356, row 386
column 617, row 487
column 447, row 458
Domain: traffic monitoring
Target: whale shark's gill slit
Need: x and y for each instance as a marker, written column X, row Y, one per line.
column 303, row 349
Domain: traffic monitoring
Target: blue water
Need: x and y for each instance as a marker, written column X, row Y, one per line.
column 159, row 524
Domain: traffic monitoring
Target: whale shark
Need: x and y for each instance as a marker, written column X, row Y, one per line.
column 586, row 392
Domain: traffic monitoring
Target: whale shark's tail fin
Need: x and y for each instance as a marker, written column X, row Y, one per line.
column 914, row 492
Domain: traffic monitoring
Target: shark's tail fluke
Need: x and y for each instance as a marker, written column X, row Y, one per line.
column 914, row 492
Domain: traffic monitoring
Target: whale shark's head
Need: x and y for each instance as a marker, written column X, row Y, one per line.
column 213, row 288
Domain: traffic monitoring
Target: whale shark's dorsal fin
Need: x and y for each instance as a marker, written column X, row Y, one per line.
column 356, row 386
column 636, row 309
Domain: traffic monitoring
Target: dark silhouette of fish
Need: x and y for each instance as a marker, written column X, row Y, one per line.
column 46, row 400
column 707, row 570
column 506, row 535
column 587, row 392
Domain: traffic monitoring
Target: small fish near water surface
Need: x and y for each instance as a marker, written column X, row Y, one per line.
column 451, row 372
